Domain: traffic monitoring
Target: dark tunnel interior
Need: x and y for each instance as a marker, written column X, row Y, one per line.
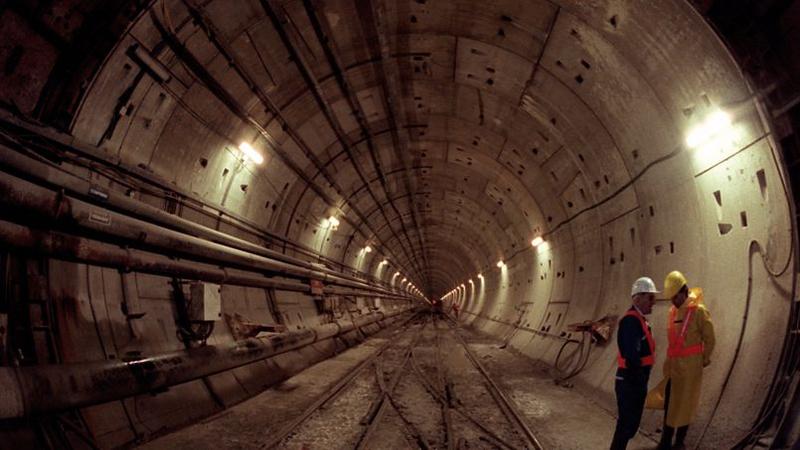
column 201, row 199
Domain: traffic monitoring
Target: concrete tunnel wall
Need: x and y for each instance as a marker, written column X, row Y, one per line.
column 508, row 120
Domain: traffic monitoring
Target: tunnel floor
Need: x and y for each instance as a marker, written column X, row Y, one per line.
column 438, row 396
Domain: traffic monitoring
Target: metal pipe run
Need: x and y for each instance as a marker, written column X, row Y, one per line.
column 19, row 195
column 31, row 168
column 51, row 388
column 88, row 251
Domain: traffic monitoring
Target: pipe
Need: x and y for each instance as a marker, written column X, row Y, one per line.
column 71, row 183
column 83, row 250
column 223, row 95
column 18, row 194
column 93, row 156
column 32, row 390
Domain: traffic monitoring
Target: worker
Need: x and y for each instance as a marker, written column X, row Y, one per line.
column 456, row 308
column 691, row 341
column 635, row 359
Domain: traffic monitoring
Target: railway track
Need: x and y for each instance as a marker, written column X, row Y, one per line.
column 422, row 388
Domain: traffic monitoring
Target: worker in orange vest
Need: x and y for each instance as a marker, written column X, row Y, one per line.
column 636, row 356
column 691, row 342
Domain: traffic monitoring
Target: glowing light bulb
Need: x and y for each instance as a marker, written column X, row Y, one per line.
column 501, row 264
column 249, row 152
column 713, row 126
column 537, row 241
column 332, row 222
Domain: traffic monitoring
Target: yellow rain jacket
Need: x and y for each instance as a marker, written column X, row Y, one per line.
column 691, row 345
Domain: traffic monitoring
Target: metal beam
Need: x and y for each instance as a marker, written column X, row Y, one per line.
column 374, row 16
column 278, row 19
column 185, row 55
column 325, row 38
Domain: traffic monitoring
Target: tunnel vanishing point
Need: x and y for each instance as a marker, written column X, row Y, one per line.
column 203, row 200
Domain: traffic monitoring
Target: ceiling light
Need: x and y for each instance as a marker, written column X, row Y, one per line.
column 332, row 222
column 501, row 264
column 480, row 275
column 470, row 281
column 249, row 152
column 715, row 125
column 537, row 241
column 385, row 261
column 367, row 249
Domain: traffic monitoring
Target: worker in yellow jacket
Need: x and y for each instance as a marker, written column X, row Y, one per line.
column 691, row 341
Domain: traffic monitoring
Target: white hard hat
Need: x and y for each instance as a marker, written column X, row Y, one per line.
column 644, row 285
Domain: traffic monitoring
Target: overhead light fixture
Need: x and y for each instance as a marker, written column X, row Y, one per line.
column 480, row 275
column 367, row 249
column 332, row 222
column 404, row 280
column 715, row 125
column 249, row 152
column 501, row 264
column 537, row 241
column 384, row 262
column 470, row 281
column 397, row 274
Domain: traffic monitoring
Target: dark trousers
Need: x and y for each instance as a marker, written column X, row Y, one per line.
column 631, row 394
column 668, row 432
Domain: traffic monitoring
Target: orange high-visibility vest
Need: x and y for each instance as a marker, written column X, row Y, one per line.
column 648, row 360
column 677, row 341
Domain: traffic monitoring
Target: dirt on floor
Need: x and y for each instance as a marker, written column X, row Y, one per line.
column 436, row 382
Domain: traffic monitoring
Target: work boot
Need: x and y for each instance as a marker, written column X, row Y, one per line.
column 619, row 443
column 680, row 437
column 666, row 439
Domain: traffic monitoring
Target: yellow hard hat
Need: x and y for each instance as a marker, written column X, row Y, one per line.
column 673, row 283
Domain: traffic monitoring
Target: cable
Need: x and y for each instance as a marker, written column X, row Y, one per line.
column 584, row 351
column 753, row 247
column 787, row 365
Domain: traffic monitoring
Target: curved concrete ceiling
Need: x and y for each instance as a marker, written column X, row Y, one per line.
column 446, row 135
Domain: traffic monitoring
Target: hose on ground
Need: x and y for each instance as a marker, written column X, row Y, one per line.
column 584, row 351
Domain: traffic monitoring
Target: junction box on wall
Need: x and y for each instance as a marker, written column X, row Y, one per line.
column 206, row 302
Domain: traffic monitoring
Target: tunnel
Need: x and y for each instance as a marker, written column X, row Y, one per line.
column 214, row 212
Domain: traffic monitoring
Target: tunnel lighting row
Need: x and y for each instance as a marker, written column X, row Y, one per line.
column 711, row 129
column 332, row 223
column 706, row 135
column 535, row 243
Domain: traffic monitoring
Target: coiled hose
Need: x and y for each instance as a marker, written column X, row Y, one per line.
column 584, row 351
